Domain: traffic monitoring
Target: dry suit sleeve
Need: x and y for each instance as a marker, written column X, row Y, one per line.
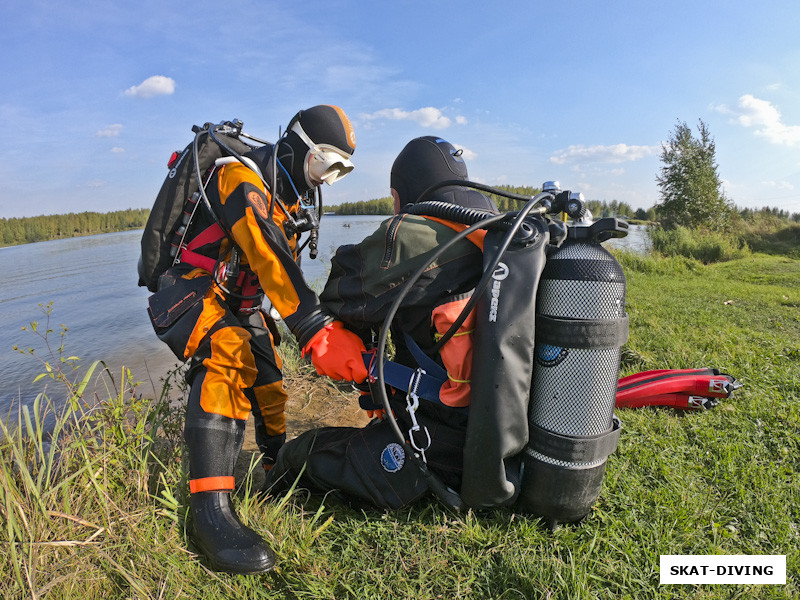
column 266, row 248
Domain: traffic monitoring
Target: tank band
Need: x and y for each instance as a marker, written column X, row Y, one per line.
column 575, row 449
column 581, row 333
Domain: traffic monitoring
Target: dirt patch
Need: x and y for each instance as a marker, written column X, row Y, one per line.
column 315, row 402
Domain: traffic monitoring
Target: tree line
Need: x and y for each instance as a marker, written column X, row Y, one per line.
column 26, row 230
column 385, row 206
column 376, row 206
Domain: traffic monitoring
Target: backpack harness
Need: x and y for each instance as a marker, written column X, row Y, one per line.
column 246, row 279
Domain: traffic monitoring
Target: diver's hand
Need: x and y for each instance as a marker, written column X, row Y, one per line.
column 369, row 405
column 336, row 352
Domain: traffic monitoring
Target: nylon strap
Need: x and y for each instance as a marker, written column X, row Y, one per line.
column 209, row 235
column 431, row 367
column 581, row 333
column 574, row 449
column 247, row 280
column 399, row 377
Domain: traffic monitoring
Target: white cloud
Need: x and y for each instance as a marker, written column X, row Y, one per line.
column 109, row 131
column 752, row 112
column 778, row 185
column 157, row 85
column 117, row 150
column 605, row 154
column 428, row 116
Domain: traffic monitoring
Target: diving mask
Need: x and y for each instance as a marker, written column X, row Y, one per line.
column 323, row 163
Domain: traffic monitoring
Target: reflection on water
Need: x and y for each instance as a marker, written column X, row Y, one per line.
column 91, row 282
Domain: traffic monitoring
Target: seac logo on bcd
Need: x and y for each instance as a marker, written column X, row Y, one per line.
column 500, row 273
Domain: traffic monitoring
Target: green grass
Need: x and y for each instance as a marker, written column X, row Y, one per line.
column 99, row 513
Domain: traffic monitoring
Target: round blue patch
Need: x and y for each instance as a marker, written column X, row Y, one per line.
column 550, row 356
column 393, row 458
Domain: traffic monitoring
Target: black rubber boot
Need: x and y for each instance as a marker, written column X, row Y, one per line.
column 214, row 442
column 220, row 536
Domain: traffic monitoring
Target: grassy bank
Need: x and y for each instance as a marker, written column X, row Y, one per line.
column 99, row 513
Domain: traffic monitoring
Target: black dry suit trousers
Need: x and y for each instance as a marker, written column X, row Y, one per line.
column 368, row 466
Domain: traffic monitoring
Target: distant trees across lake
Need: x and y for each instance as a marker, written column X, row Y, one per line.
column 377, row 206
column 52, row 227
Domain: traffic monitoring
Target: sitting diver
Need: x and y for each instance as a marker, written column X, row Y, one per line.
column 366, row 466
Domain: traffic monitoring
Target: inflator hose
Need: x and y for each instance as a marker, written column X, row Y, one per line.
column 445, row 494
column 475, row 185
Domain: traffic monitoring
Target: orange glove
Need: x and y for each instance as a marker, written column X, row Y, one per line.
column 336, row 352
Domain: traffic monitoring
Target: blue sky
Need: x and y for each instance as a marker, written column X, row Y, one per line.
column 96, row 95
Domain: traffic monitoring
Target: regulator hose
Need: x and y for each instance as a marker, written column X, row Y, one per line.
column 448, row 211
column 275, row 198
column 240, row 158
column 513, row 222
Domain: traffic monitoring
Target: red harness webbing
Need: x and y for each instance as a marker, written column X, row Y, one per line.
column 209, row 235
column 247, row 280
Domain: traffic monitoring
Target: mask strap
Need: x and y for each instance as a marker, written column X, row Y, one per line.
column 298, row 129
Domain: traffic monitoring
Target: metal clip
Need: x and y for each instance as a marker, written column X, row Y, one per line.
column 412, row 404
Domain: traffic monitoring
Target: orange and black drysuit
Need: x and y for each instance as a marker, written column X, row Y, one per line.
column 367, row 464
column 218, row 325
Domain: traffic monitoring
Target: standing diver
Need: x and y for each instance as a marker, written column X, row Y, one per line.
column 228, row 339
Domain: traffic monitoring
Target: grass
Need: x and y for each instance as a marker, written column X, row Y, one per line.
column 760, row 233
column 95, row 507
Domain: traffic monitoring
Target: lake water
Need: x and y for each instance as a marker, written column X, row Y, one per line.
column 91, row 282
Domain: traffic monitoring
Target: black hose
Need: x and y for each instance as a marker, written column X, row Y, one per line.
column 201, row 186
column 456, row 213
column 472, row 184
column 448, row 211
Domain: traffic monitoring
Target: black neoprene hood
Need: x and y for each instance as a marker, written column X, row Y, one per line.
column 327, row 125
column 425, row 161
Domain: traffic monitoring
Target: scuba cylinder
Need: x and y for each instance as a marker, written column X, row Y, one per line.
column 581, row 326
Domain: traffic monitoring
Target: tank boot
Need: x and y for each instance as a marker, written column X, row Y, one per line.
column 227, row 543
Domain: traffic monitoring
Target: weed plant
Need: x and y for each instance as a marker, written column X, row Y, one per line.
column 706, row 246
column 95, row 506
column 759, row 233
